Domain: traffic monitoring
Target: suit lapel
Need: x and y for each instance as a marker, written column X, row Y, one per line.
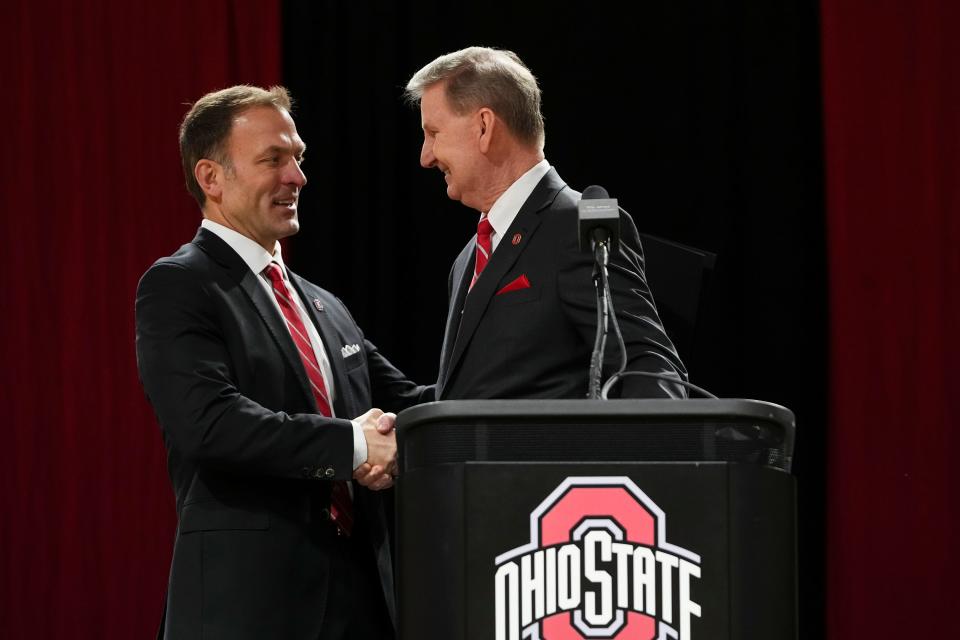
column 459, row 280
column 502, row 260
column 221, row 252
column 343, row 396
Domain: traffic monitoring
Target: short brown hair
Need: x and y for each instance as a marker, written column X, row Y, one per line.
column 206, row 127
column 483, row 77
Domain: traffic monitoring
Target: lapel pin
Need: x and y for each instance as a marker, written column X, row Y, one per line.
column 516, row 239
column 318, row 304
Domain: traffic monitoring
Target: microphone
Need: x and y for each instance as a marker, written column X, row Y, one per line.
column 599, row 219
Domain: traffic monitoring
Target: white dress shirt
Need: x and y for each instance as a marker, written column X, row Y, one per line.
column 257, row 259
column 507, row 206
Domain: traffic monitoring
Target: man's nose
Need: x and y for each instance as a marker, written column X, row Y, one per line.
column 295, row 175
column 427, row 159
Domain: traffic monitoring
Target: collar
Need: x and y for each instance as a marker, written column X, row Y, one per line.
column 505, row 209
column 255, row 256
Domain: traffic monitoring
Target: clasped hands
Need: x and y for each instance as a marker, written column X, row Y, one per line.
column 380, row 469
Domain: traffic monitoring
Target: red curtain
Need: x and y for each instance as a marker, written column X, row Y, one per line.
column 92, row 194
column 891, row 78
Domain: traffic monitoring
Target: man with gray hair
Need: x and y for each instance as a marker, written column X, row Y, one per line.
column 522, row 319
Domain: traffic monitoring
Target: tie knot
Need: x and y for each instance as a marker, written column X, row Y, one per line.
column 274, row 273
column 484, row 228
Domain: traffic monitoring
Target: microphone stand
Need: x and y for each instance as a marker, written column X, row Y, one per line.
column 601, row 257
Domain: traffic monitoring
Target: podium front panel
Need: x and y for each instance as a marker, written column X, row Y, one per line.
column 564, row 550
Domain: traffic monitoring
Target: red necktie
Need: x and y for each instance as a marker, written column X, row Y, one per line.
column 341, row 508
column 484, row 248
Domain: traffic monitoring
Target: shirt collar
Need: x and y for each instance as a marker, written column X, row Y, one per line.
column 507, row 206
column 252, row 253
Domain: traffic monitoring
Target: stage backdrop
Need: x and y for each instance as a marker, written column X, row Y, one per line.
column 716, row 142
column 92, row 194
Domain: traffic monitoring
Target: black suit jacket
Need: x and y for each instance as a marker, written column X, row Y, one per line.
column 250, row 460
column 536, row 342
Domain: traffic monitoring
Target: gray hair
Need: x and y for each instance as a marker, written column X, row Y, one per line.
column 483, row 77
column 206, row 127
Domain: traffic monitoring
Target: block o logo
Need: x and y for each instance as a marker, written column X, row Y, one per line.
column 598, row 566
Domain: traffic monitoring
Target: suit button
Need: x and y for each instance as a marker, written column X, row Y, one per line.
column 330, row 472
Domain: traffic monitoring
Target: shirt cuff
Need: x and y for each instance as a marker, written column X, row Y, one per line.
column 359, row 445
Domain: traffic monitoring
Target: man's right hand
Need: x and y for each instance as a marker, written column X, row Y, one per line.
column 378, row 471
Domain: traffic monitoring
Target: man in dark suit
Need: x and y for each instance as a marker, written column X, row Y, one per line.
column 255, row 374
column 522, row 318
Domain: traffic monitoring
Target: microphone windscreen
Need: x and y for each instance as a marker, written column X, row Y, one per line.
column 594, row 192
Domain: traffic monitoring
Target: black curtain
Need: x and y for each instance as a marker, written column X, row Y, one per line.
column 702, row 118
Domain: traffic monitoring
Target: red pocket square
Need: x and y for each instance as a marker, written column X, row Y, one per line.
column 519, row 283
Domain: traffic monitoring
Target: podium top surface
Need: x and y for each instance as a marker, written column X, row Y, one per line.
column 564, row 409
column 731, row 430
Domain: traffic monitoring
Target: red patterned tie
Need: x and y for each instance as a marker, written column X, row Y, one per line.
column 484, row 248
column 341, row 508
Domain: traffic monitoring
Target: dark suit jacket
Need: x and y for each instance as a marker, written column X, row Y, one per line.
column 250, row 460
column 536, row 342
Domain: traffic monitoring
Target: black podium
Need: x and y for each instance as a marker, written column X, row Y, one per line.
column 583, row 519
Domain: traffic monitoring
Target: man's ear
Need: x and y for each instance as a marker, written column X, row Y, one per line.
column 210, row 176
column 488, row 124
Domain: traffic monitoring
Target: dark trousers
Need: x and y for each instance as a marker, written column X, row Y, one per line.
column 356, row 609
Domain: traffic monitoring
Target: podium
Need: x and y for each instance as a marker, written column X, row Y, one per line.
column 586, row 519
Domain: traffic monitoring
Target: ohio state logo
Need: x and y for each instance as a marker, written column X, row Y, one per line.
column 598, row 565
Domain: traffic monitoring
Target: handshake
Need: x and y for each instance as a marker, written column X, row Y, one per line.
column 380, row 469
